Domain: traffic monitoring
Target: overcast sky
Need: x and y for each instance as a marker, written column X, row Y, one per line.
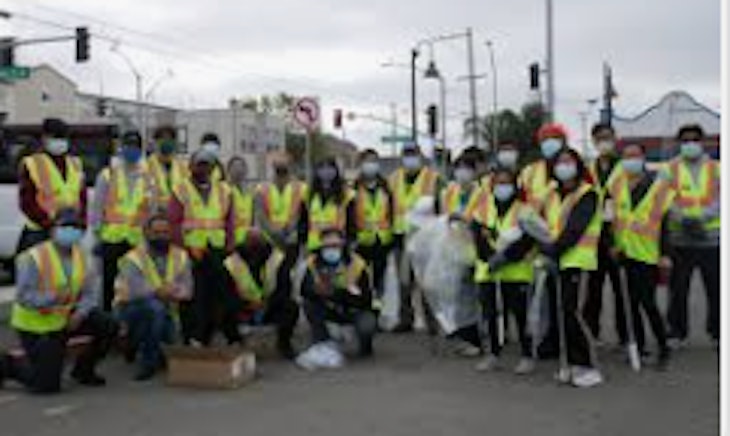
column 334, row 49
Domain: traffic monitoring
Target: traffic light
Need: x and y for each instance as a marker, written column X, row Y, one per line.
column 338, row 118
column 432, row 113
column 101, row 107
column 7, row 57
column 82, row 44
column 534, row 76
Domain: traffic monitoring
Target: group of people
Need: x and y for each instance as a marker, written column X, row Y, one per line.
column 187, row 250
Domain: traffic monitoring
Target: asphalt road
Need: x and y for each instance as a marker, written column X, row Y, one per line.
column 405, row 390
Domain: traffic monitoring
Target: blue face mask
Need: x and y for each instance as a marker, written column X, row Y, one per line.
column 131, row 155
column 565, row 171
column 332, row 255
column 67, row 236
column 691, row 149
column 503, row 192
column 634, row 165
column 550, row 147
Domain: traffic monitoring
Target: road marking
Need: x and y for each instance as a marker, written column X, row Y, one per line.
column 59, row 410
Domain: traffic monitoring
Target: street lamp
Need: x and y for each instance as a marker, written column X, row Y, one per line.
column 495, row 105
column 148, row 99
column 138, row 83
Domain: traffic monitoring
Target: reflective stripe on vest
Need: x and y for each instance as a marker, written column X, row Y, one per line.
column 693, row 197
column 481, row 206
column 204, row 223
column 637, row 228
column 124, row 211
column 162, row 182
column 405, row 196
column 372, row 217
column 451, row 198
column 282, row 208
column 54, row 282
column 53, row 191
column 246, row 284
column 536, row 183
column 177, row 260
column 344, row 277
column 324, row 216
column 243, row 213
column 584, row 254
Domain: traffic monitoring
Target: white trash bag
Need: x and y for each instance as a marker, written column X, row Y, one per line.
column 323, row 355
column 389, row 314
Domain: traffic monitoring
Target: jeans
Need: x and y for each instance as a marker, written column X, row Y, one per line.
column 150, row 325
column 111, row 253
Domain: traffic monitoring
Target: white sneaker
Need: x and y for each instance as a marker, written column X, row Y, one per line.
column 525, row 366
column 563, row 375
column 467, row 350
column 488, row 364
column 677, row 344
column 587, row 377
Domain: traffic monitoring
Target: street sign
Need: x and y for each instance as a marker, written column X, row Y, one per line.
column 396, row 139
column 306, row 113
column 14, row 73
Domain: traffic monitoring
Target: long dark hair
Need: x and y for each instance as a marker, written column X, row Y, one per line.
column 582, row 173
column 337, row 191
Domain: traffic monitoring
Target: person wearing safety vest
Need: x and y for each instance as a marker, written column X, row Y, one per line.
column 202, row 219
column 694, row 232
column 210, row 142
column 604, row 140
column 329, row 205
column 454, row 197
column 413, row 181
column 505, row 256
column 573, row 216
column 337, row 288
column 373, row 205
column 49, row 180
column 535, row 177
column 119, row 209
column 56, row 300
column 641, row 203
column 242, row 197
column 154, row 277
column 481, row 162
column 166, row 171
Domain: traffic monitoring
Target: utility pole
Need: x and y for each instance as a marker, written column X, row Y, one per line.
column 495, row 105
column 472, row 86
column 550, row 61
column 414, row 110
column 394, row 126
column 608, row 94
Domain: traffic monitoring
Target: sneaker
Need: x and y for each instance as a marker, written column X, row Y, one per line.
column 467, row 350
column 677, row 343
column 563, row 375
column 488, row 364
column 525, row 366
column 586, row 377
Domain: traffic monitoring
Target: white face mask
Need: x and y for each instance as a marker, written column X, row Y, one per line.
column 464, row 175
column 550, row 147
column 412, row 162
column 212, row 148
column 566, row 171
column 507, row 158
column 503, row 192
column 605, row 147
column 370, row 169
column 57, row 146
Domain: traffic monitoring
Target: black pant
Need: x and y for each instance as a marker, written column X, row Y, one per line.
column 318, row 311
column 594, row 303
column 577, row 333
column 213, row 306
column 642, row 280
column 42, row 368
column 514, row 297
column 110, row 254
column 685, row 260
column 407, row 315
column 30, row 238
column 376, row 257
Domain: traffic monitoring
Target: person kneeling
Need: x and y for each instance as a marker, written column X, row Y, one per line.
column 152, row 279
column 56, row 300
column 337, row 289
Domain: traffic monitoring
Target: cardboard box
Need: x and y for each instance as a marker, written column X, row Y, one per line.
column 209, row 368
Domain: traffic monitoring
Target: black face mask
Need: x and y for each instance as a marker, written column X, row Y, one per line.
column 281, row 171
column 159, row 245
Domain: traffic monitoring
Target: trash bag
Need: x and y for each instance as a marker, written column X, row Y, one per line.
column 442, row 255
column 389, row 313
column 323, row 355
column 538, row 311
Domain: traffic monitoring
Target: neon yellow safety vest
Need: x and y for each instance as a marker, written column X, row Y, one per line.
column 177, row 262
column 451, row 198
column 53, row 191
column 637, row 228
column 345, row 276
column 124, row 211
column 246, row 285
column 373, row 219
column 243, row 213
column 584, row 255
column 163, row 182
column 535, row 181
column 54, row 282
column 692, row 198
column 405, row 196
column 204, row 223
column 282, row 208
column 325, row 215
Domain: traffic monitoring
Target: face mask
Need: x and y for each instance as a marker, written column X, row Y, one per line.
column 370, row 169
column 160, row 245
column 57, row 146
column 503, row 192
column 464, row 175
column 565, row 171
column 550, row 147
column 167, row 147
column 131, row 155
column 281, row 171
column 634, row 165
column 212, row 148
column 200, row 175
column 691, row 149
column 326, row 174
column 332, row 255
column 67, row 236
column 605, row 147
column 412, row 162
column 507, row 158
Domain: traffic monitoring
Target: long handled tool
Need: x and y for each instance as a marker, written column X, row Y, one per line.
column 564, row 371
column 500, row 312
column 631, row 346
column 535, row 319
